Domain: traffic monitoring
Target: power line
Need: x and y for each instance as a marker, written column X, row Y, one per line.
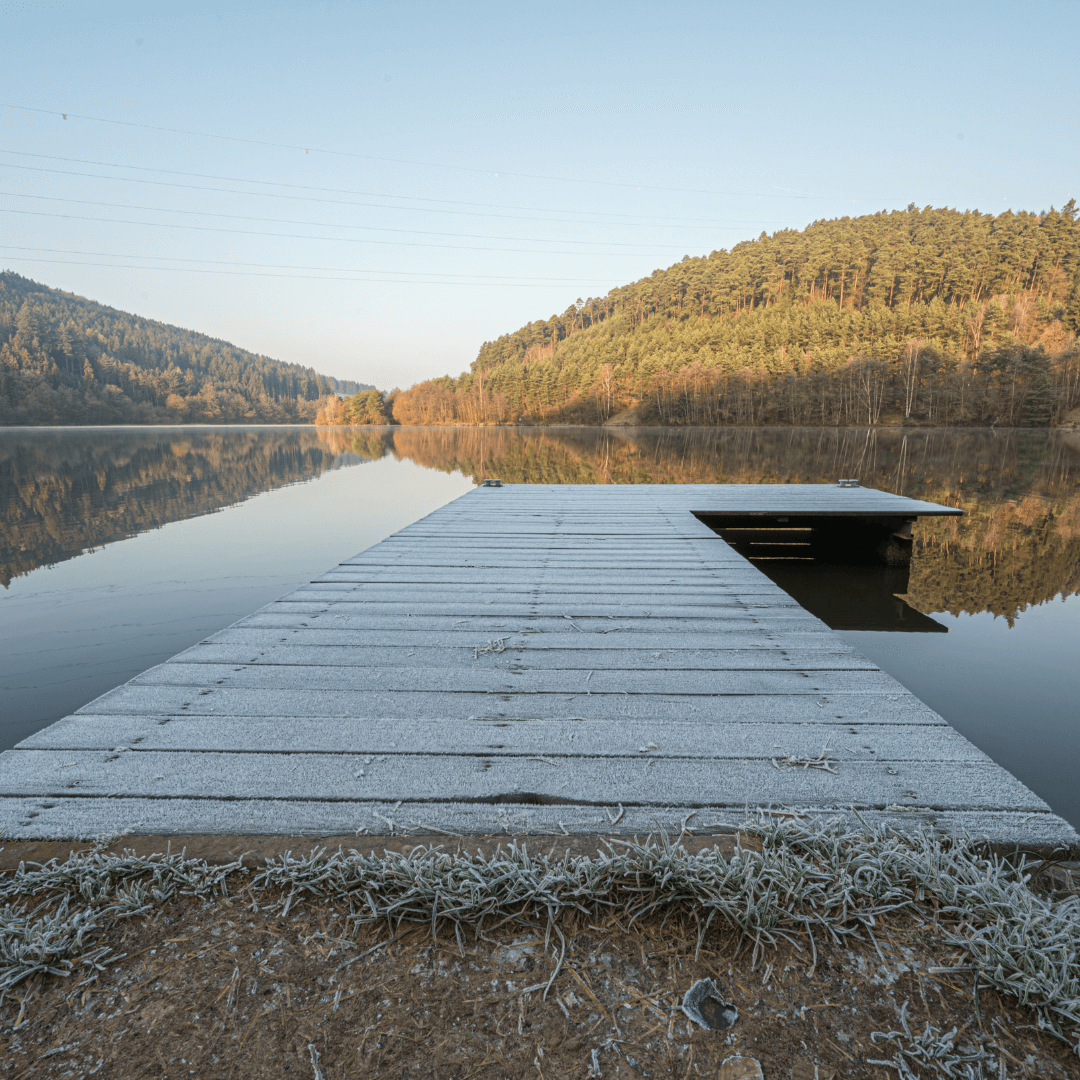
column 328, row 224
column 682, row 223
column 402, row 161
column 290, row 266
column 329, row 239
column 296, row 277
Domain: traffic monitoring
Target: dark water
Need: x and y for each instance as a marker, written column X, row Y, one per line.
column 121, row 546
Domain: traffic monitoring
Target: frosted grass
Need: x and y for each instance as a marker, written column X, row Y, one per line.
column 82, row 896
column 804, row 886
column 937, row 1051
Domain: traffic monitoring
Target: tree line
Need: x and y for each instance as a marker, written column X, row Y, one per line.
column 367, row 406
column 67, row 360
column 920, row 316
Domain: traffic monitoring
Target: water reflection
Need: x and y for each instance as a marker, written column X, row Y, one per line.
column 66, row 491
column 854, row 597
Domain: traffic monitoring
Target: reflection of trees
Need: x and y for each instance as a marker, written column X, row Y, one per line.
column 1000, row 558
column 367, row 443
column 62, row 492
column 1018, row 543
column 66, row 491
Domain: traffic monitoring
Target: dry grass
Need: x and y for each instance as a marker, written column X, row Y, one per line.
column 838, row 949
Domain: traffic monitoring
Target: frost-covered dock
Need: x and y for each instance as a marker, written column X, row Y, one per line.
column 552, row 659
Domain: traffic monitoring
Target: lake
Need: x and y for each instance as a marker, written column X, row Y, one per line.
column 121, row 546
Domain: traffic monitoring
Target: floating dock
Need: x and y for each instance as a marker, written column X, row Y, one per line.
column 538, row 660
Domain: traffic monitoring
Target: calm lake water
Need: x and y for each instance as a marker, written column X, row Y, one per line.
column 121, row 546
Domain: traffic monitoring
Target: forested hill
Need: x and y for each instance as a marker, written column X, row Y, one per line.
column 924, row 316
column 66, row 360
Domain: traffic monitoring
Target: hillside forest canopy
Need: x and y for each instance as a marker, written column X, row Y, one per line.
column 921, row 316
column 67, row 360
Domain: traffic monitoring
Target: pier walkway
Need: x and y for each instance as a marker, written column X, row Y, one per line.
column 531, row 659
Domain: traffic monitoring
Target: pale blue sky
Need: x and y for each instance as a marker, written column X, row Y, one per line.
column 474, row 166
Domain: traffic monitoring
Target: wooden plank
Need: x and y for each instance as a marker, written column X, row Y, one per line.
column 86, row 818
column 291, row 654
column 742, row 620
column 165, row 701
column 671, row 590
column 616, row 578
column 747, row 619
column 448, row 595
column 519, row 679
column 468, row 634
column 581, row 780
column 562, row 739
column 483, row 575
column 570, row 605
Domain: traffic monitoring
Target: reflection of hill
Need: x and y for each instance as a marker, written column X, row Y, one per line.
column 1000, row 557
column 1018, row 543
column 62, row 492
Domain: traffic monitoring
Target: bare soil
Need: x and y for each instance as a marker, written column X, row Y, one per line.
column 226, row 988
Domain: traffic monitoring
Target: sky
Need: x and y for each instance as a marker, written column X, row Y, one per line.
column 377, row 189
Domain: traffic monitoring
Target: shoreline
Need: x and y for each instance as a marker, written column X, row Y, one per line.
column 1074, row 426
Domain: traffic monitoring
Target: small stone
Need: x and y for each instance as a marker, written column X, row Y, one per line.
column 704, row 1005
column 740, row 1068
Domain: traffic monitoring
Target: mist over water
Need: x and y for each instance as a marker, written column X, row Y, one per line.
column 121, row 546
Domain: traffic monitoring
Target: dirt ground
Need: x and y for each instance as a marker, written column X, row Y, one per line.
column 226, row 988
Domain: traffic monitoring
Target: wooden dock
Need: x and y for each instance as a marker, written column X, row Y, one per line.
column 528, row 659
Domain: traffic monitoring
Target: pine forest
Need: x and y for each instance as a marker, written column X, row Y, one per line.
column 921, row 316
column 927, row 317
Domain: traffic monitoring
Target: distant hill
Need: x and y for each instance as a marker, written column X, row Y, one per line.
column 924, row 316
column 68, row 360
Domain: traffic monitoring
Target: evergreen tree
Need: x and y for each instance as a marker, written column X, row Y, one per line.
column 925, row 316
